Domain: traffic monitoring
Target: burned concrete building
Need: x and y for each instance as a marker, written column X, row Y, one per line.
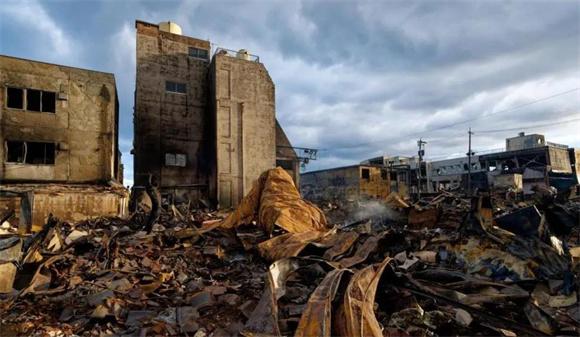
column 205, row 127
column 348, row 183
column 59, row 136
column 540, row 163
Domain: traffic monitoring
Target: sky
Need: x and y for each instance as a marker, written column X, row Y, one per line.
column 353, row 79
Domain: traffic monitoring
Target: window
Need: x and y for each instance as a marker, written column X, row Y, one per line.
column 15, row 152
column 198, row 53
column 384, row 174
column 36, row 100
column 33, row 100
column 175, row 159
column 15, row 98
column 35, row 153
column 48, row 101
column 393, row 176
column 365, row 173
column 39, row 153
column 175, row 87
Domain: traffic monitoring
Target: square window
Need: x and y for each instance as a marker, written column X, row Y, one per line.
column 15, row 152
column 169, row 159
column 170, row 86
column 365, row 173
column 180, row 88
column 180, row 160
column 33, row 100
column 15, row 98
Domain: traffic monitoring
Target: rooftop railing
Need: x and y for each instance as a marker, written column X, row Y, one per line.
column 560, row 146
column 240, row 54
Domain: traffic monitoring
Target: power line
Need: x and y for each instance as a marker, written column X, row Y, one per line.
column 457, row 123
column 529, row 126
column 504, row 110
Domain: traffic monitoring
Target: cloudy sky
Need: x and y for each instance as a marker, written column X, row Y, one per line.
column 353, row 79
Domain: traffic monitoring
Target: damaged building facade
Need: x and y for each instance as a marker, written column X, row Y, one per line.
column 59, row 136
column 205, row 126
column 540, row 163
column 352, row 183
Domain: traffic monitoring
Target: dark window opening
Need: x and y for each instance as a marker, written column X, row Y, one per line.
column 384, row 174
column 15, row 152
column 40, row 153
column 48, row 101
column 15, row 98
column 33, row 100
column 393, row 175
column 366, row 174
column 35, row 153
column 175, row 87
column 198, row 53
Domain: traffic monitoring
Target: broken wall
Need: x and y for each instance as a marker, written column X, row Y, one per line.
column 559, row 160
column 69, row 203
column 80, row 124
column 245, row 139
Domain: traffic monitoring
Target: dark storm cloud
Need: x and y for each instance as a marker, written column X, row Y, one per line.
column 355, row 79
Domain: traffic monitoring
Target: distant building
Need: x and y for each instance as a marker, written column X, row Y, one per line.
column 537, row 161
column 205, row 126
column 404, row 173
column 450, row 173
column 349, row 183
column 540, row 163
column 59, row 135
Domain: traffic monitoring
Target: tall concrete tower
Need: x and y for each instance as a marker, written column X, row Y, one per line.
column 171, row 115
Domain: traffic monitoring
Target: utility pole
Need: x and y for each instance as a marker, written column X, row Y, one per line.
column 469, row 154
column 420, row 143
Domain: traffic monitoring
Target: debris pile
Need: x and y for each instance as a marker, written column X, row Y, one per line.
column 275, row 267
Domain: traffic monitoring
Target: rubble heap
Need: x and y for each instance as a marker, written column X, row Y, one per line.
column 275, row 267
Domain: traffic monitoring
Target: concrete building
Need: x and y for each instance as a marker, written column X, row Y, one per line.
column 450, row 173
column 205, row 126
column 59, row 135
column 540, row 162
column 349, row 183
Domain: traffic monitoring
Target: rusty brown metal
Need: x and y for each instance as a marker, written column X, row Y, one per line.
column 362, row 253
column 342, row 242
column 287, row 245
column 316, row 318
column 356, row 317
